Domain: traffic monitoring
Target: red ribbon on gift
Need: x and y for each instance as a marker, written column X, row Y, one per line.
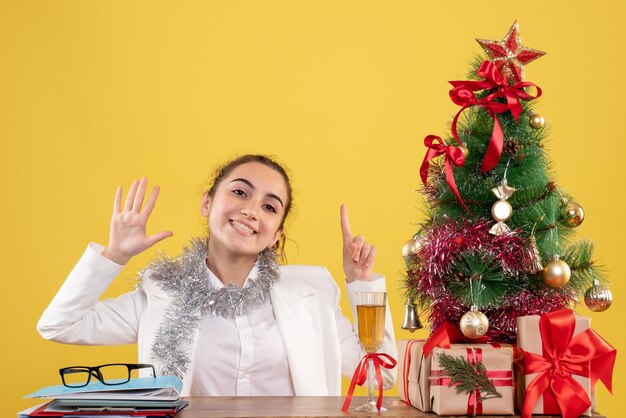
column 407, row 368
column 463, row 95
column 448, row 334
column 474, row 404
column 587, row 354
column 360, row 375
column 453, row 155
column 445, row 335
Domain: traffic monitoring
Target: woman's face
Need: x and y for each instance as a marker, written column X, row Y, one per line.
column 247, row 210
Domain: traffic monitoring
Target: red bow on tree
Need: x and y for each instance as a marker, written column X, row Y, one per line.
column 587, row 354
column 463, row 94
column 454, row 156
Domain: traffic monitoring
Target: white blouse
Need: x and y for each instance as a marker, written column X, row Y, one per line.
column 241, row 356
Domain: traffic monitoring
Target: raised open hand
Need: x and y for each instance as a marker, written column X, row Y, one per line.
column 358, row 254
column 127, row 236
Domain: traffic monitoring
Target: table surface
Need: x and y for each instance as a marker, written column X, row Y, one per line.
column 301, row 406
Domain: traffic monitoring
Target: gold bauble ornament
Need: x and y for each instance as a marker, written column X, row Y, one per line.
column 556, row 273
column 598, row 298
column 501, row 210
column 411, row 247
column 474, row 324
column 573, row 214
column 536, row 121
column 465, row 151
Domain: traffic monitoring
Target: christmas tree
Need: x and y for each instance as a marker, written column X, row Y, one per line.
column 498, row 239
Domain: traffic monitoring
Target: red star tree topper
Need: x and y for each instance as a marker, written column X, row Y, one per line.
column 509, row 54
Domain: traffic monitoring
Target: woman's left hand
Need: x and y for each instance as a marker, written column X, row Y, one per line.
column 358, row 254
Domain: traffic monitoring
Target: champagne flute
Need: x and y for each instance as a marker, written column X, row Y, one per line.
column 370, row 308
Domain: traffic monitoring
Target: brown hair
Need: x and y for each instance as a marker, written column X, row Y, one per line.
column 224, row 170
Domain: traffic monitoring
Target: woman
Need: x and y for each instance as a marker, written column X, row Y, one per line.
column 223, row 315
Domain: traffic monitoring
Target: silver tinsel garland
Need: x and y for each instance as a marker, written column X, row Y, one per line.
column 186, row 280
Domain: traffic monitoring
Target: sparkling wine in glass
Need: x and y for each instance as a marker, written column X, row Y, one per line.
column 370, row 308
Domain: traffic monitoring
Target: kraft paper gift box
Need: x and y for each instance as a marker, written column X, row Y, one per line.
column 499, row 365
column 414, row 371
column 529, row 340
column 413, row 374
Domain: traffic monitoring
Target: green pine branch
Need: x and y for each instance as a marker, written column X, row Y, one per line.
column 477, row 279
column 578, row 257
column 467, row 377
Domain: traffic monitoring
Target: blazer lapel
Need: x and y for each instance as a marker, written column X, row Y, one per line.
column 293, row 308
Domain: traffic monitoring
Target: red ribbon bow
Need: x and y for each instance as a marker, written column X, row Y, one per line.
column 454, row 155
column 443, row 337
column 360, row 375
column 448, row 334
column 463, row 95
column 587, row 354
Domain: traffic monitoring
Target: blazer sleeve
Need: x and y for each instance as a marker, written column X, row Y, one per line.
column 76, row 316
column 351, row 350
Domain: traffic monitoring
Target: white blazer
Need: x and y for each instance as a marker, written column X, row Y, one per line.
column 320, row 342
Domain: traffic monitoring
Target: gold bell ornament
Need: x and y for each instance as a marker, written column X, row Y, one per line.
column 556, row 273
column 411, row 318
column 598, row 298
column 474, row 324
column 536, row 266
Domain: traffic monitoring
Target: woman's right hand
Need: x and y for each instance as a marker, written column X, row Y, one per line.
column 128, row 237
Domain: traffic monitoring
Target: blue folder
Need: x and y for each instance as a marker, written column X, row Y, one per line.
column 153, row 388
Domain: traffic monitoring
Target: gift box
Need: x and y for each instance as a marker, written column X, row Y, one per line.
column 563, row 358
column 481, row 382
column 414, row 368
column 414, row 373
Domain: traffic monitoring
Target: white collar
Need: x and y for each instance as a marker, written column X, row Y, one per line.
column 216, row 283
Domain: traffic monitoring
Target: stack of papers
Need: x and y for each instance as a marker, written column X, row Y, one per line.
column 145, row 397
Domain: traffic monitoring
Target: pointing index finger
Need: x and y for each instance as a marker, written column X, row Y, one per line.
column 345, row 224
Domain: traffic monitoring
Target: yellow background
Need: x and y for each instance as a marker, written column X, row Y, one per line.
column 95, row 94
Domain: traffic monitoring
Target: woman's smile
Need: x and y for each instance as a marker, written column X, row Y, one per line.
column 242, row 227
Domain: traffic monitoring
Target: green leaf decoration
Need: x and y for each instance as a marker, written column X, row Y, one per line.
column 467, row 377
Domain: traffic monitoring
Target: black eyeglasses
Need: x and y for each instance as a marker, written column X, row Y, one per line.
column 107, row 374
